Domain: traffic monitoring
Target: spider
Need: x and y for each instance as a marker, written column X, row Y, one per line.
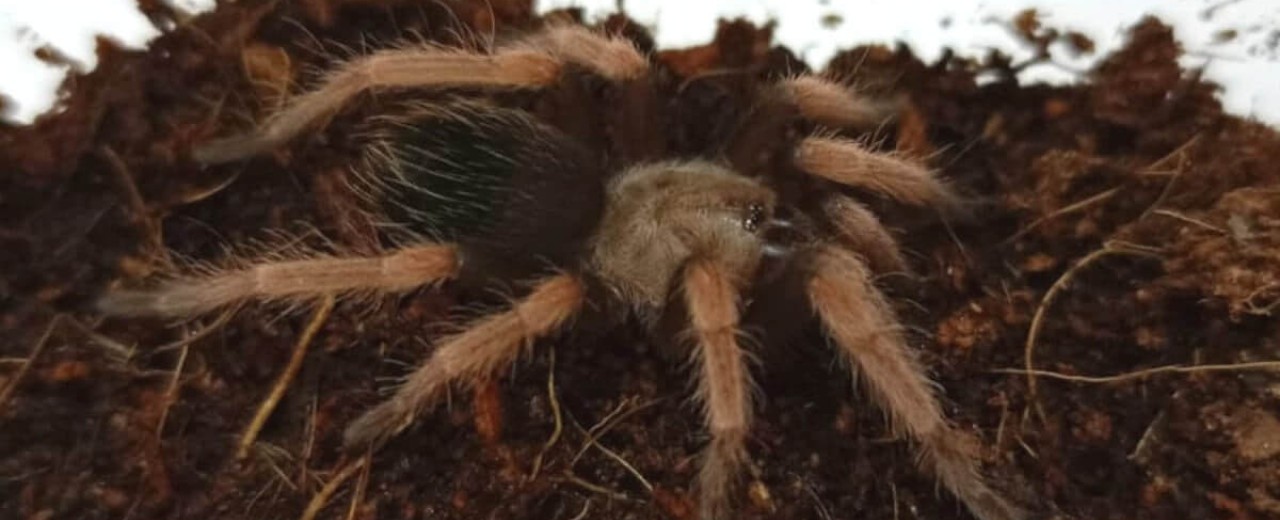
column 496, row 196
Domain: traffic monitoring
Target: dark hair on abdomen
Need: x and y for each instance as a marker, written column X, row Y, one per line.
column 516, row 195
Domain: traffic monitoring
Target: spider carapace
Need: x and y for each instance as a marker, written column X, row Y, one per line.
column 491, row 194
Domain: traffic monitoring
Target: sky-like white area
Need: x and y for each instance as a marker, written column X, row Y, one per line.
column 1247, row 63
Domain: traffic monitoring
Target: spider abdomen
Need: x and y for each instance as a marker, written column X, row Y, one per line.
column 516, row 195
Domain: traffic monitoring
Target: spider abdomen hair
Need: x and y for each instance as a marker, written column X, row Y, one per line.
column 516, row 195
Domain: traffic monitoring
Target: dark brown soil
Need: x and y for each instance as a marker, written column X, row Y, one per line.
column 1150, row 219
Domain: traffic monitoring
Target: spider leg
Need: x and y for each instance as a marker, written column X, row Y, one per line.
column 846, row 162
column 394, row 68
column 724, row 386
column 470, row 356
column 834, row 105
column 533, row 63
column 864, row 329
column 613, row 57
column 766, row 142
column 860, row 230
column 401, row 270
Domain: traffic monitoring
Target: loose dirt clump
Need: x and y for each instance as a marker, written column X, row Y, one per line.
column 1104, row 317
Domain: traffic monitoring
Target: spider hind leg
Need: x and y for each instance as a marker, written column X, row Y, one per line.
column 532, row 63
column 288, row 280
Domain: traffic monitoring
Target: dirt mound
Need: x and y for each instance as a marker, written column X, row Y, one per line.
column 1123, row 245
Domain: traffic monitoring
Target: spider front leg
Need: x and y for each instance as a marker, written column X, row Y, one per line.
column 833, row 105
column 846, row 162
column 860, row 230
column 478, row 352
column 868, row 337
column 191, row 295
column 724, row 382
column 766, row 141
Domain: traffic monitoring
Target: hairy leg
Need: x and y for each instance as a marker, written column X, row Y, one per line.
column 862, row 231
column 846, row 162
column 613, row 57
column 834, row 105
column 401, row 270
column 866, row 332
column 769, row 129
column 533, row 63
column 396, row 68
column 472, row 355
column 724, row 385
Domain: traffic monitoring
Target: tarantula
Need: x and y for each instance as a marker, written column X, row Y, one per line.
column 499, row 196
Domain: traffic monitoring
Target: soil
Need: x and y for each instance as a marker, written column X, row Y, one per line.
column 1122, row 225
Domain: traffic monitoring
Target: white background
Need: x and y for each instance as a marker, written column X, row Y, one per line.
column 1247, row 65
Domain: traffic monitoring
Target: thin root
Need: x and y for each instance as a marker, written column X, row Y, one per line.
column 358, row 496
column 614, row 418
column 1065, row 210
column 330, row 488
column 558, row 429
column 627, row 466
column 118, row 351
column 41, row 343
column 1179, row 216
column 286, row 378
column 592, row 441
column 221, row 320
column 171, row 394
column 1058, row 287
column 1263, row 366
column 571, row 478
column 586, row 508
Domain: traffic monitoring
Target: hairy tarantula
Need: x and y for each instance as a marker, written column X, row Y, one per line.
column 500, row 196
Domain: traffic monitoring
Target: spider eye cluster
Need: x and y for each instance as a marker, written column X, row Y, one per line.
column 754, row 218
